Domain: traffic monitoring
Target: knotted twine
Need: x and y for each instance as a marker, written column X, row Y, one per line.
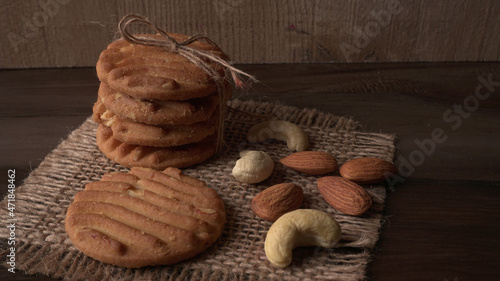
column 202, row 59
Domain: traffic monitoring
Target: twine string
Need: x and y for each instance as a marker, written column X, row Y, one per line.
column 202, row 59
column 195, row 56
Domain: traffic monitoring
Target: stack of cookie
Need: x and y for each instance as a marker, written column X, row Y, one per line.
column 156, row 109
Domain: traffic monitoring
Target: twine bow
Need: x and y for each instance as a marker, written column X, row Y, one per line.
column 195, row 56
column 200, row 58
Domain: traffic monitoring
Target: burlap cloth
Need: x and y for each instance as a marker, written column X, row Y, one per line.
column 41, row 201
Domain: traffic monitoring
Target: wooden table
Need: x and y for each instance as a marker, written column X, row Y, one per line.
column 442, row 217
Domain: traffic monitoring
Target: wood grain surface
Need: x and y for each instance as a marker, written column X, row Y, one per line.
column 56, row 33
column 442, row 219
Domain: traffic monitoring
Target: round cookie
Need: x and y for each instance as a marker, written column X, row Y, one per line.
column 145, row 218
column 137, row 133
column 157, row 158
column 150, row 72
column 157, row 112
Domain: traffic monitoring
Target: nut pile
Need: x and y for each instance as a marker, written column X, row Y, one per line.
column 280, row 203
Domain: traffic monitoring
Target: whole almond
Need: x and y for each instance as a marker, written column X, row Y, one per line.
column 274, row 201
column 311, row 162
column 367, row 170
column 344, row 195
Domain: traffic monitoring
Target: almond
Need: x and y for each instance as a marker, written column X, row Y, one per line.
column 344, row 195
column 367, row 170
column 311, row 162
column 275, row 201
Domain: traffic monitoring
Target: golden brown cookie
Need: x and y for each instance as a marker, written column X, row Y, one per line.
column 158, row 112
column 145, row 218
column 137, row 133
column 150, row 72
column 157, row 158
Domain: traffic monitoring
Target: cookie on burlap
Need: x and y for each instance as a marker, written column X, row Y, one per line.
column 150, row 72
column 157, row 158
column 145, row 217
column 157, row 112
column 137, row 133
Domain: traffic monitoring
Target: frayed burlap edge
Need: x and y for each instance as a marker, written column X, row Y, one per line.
column 43, row 247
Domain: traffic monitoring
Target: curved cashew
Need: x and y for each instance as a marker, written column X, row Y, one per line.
column 295, row 137
column 253, row 166
column 300, row 228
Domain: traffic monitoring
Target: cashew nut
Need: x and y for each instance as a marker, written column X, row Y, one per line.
column 295, row 137
column 253, row 166
column 300, row 228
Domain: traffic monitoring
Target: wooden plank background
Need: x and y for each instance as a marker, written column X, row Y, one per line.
column 60, row 33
